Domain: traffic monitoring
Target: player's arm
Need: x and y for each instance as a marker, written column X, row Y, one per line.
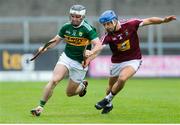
column 96, row 49
column 158, row 20
column 86, row 62
column 96, row 54
column 56, row 40
column 91, row 54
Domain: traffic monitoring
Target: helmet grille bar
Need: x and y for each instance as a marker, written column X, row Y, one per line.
column 78, row 9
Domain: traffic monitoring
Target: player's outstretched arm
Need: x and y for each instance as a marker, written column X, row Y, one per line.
column 56, row 40
column 158, row 20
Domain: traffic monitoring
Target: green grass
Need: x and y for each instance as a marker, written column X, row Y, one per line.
column 141, row 101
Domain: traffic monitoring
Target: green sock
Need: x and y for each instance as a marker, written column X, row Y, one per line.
column 42, row 103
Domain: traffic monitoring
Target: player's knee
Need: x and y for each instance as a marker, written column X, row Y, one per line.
column 121, row 79
column 56, row 80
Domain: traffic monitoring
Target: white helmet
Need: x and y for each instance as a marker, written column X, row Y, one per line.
column 78, row 9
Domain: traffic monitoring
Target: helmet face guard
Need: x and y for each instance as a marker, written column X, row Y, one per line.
column 107, row 16
column 78, row 10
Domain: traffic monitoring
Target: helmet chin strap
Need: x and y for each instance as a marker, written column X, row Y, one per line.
column 115, row 25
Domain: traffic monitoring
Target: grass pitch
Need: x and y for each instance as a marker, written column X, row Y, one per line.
column 141, row 101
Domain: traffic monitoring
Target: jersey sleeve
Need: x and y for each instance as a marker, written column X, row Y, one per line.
column 136, row 23
column 61, row 32
column 92, row 34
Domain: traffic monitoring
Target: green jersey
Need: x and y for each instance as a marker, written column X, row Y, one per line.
column 76, row 39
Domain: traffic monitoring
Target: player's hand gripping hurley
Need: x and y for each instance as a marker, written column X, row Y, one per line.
column 84, row 57
column 41, row 50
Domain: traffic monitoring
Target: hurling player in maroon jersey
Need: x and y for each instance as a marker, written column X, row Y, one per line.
column 123, row 40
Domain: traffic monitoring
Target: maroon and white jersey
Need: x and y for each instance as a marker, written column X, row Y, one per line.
column 124, row 43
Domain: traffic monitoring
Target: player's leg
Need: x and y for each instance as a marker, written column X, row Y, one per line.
column 127, row 70
column 77, row 84
column 60, row 70
column 74, row 88
column 58, row 74
column 109, row 106
column 114, row 72
column 125, row 73
column 82, row 90
column 112, row 81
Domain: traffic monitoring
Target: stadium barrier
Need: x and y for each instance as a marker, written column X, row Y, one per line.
column 15, row 65
column 152, row 66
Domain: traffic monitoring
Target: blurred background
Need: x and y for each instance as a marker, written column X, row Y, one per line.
column 25, row 25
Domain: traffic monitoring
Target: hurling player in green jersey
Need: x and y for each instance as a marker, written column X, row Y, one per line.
column 78, row 35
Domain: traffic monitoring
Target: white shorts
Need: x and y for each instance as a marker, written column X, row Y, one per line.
column 115, row 68
column 76, row 72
